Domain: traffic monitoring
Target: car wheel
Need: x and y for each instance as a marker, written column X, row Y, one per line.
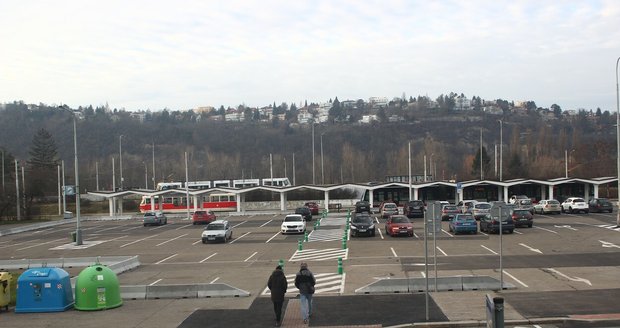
column 204, row 241
column 570, row 210
column 475, row 232
column 144, row 224
column 530, row 225
column 511, row 231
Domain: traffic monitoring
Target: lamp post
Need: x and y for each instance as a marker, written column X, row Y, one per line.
column 78, row 229
column 313, row 176
column 501, row 147
column 120, row 158
column 618, row 137
column 322, row 171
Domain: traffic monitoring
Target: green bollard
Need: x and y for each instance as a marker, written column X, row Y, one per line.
column 344, row 243
column 299, row 245
column 340, row 265
column 306, row 236
column 281, row 263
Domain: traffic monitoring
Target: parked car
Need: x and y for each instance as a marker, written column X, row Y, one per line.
column 514, row 198
column 522, row 217
column 414, row 208
column 466, row 205
column 154, row 218
column 362, row 224
column 388, row 209
column 490, row 223
column 600, row 205
column 362, row 206
column 525, row 204
column 575, row 205
column 449, row 211
column 203, row 216
column 218, row 230
column 293, row 223
column 313, row 206
column 305, row 212
column 548, row 206
column 398, row 225
column 480, row 209
column 463, row 223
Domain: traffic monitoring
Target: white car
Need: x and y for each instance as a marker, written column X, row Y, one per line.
column 575, row 205
column 548, row 206
column 218, row 230
column 293, row 223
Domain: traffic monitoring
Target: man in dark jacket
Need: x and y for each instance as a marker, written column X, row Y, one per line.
column 304, row 281
column 277, row 285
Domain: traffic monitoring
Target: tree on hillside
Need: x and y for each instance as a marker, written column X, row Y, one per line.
column 41, row 166
column 486, row 163
column 7, row 191
column 43, row 153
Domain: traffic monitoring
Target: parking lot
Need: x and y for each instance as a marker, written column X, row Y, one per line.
column 568, row 253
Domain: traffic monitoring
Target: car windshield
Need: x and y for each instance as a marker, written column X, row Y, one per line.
column 301, row 210
column 483, row 206
column 525, row 202
column 218, row 226
column 450, row 208
column 200, row 212
column 390, row 206
column 465, row 218
column 399, row 219
column 362, row 219
column 553, row 202
column 521, row 212
column 294, row 218
column 149, row 214
column 416, row 204
column 578, row 200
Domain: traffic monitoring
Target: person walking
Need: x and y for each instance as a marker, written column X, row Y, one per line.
column 304, row 281
column 277, row 284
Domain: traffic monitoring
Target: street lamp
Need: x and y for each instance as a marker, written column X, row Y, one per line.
column 78, row 229
column 313, row 176
column 618, row 137
column 501, row 147
column 322, row 172
column 120, row 157
column 566, row 158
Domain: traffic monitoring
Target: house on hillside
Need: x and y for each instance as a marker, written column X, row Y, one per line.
column 462, row 103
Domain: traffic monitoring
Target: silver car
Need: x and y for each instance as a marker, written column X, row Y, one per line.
column 218, row 230
column 154, row 218
column 548, row 206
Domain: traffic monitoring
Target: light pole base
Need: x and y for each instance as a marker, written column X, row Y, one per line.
column 78, row 237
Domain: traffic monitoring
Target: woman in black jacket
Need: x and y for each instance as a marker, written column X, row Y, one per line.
column 277, row 285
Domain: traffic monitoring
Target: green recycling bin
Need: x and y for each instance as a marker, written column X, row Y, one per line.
column 97, row 288
column 5, row 290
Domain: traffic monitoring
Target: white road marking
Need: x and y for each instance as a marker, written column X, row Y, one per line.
column 608, row 244
column 272, row 237
column 447, row 233
column 515, row 279
column 154, row 282
column 139, row 240
column 555, row 232
column 565, row 226
column 578, row 279
column 488, row 249
column 208, row 257
column 531, row 249
column 442, row 252
column 393, row 251
column 41, row 244
column 423, row 274
column 245, row 234
column 136, row 227
column 197, row 241
column 249, row 257
column 240, row 224
column 167, row 258
column 380, row 234
column 517, row 232
column 184, row 226
column 214, row 280
column 173, row 239
column 264, row 224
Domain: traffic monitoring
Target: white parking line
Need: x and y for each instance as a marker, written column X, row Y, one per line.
column 167, row 258
column 393, row 251
column 208, row 257
column 41, row 244
column 154, row 282
column 380, row 234
column 488, row 249
column 249, row 257
column 245, row 234
column 173, row 239
column 185, row 226
column 272, row 237
column 240, row 224
column 214, row 280
column 515, row 279
column 442, row 252
column 136, row 227
column 517, row 232
column 447, row 233
column 264, row 224
column 137, row 241
column 555, row 232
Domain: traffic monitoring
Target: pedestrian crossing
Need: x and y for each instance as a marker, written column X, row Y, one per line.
column 333, row 222
column 609, row 226
column 326, row 283
column 325, row 235
column 320, row 254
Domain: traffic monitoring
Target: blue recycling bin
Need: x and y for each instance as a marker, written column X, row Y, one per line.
column 43, row 290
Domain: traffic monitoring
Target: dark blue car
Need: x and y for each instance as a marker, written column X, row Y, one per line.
column 463, row 223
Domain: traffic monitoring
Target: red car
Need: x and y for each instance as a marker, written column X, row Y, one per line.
column 313, row 206
column 398, row 225
column 203, row 216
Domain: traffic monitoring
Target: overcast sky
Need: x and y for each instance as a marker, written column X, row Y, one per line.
column 184, row 54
